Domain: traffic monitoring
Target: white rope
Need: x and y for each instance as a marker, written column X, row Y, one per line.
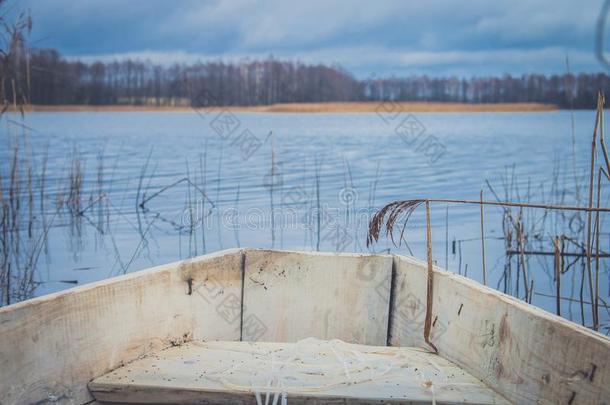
column 307, row 367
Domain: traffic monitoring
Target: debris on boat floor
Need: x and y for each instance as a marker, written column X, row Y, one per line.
column 309, row 369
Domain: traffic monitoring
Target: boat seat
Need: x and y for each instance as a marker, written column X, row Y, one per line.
column 310, row 371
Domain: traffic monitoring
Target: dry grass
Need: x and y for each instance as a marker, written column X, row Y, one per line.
column 407, row 107
column 342, row 107
column 530, row 237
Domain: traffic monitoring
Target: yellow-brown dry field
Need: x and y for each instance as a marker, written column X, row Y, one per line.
column 363, row 107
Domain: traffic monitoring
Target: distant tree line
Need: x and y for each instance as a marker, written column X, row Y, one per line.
column 52, row 79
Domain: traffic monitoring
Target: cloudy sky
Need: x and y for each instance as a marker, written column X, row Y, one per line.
column 393, row 37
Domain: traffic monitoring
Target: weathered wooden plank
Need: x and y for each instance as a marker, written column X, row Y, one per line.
column 310, row 371
column 289, row 296
column 216, row 286
column 53, row 345
column 526, row 354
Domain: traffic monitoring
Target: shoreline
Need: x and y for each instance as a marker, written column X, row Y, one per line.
column 333, row 107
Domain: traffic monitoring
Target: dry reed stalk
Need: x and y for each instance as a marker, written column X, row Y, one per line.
column 460, row 257
column 139, row 203
column 598, row 124
column 372, row 193
column 573, row 135
column 14, row 191
column 4, row 227
column 236, row 226
column 100, row 193
column 42, row 182
column 447, row 237
column 219, row 179
column 430, row 281
column 557, row 273
column 30, row 203
column 203, row 169
column 483, row 240
column 521, row 244
column 15, row 209
column 601, row 172
column 393, row 211
column 606, row 173
column 75, row 189
column 189, row 204
column 271, row 184
column 318, row 213
column 351, row 205
column 582, row 288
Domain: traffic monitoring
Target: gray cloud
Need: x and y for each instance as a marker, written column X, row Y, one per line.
column 465, row 37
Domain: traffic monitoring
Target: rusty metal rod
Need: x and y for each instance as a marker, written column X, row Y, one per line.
column 523, row 205
column 542, row 253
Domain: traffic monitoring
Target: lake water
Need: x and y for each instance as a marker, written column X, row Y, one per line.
column 333, row 168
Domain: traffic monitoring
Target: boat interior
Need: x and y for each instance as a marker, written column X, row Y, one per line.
column 251, row 326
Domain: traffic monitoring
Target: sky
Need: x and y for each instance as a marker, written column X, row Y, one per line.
column 366, row 37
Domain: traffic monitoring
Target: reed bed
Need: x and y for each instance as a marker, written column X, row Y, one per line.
column 572, row 231
column 22, row 233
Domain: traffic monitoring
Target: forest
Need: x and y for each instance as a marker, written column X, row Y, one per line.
column 45, row 77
